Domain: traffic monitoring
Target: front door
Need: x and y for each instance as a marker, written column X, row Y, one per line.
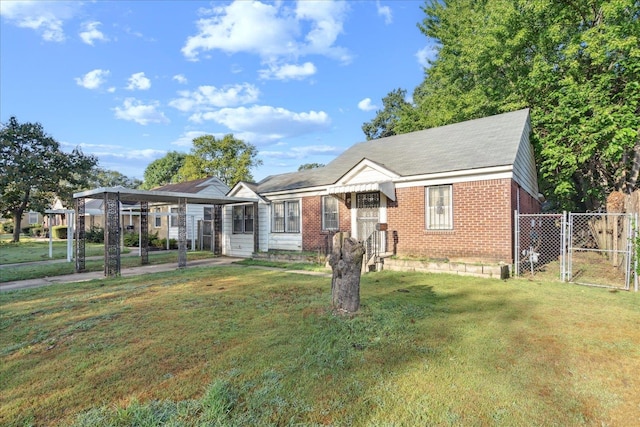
column 367, row 213
column 207, row 229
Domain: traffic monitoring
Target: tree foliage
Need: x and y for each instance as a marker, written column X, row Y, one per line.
column 164, row 170
column 109, row 178
column 307, row 166
column 229, row 159
column 35, row 170
column 575, row 64
column 386, row 120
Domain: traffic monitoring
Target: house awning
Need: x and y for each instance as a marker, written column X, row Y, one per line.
column 387, row 188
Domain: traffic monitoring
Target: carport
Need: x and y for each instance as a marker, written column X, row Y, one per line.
column 112, row 196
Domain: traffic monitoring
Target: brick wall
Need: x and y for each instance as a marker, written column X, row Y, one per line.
column 482, row 223
column 313, row 237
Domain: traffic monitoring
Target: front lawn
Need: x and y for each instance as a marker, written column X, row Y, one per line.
column 29, row 250
column 242, row 346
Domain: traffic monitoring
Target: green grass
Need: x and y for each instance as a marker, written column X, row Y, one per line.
column 30, row 271
column 241, row 346
column 30, row 250
column 307, row 266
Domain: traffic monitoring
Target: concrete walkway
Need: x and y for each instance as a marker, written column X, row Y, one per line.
column 96, row 275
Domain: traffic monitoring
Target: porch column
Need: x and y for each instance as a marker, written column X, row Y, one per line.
column 80, row 235
column 182, row 232
column 144, row 233
column 111, row 234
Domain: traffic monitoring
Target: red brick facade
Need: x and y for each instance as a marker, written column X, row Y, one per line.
column 482, row 222
column 313, row 237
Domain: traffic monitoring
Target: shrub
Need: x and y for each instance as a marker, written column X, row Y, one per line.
column 94, row 235
column 7, row 227
column 131, row 239
column 59, row 231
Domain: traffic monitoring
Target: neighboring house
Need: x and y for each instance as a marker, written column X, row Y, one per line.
column 442, row 193
column 202, row 220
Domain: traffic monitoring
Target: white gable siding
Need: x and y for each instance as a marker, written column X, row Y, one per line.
column 238, row 245
column 366, row 175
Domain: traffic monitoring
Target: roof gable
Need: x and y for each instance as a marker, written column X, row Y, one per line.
column 209, row 186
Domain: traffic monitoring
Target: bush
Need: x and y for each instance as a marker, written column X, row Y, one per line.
column 59, row 231
column 131, row 239
column 94, row 235
column 7, row 227
column 33, row 230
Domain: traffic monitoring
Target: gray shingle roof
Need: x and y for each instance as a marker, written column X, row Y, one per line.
column 480, row 143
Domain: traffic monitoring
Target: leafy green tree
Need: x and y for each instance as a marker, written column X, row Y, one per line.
column 575, row 64
column 229, row 159
column 34, row 170
column 164, row 170
column 109, row 178
column 307, row 166
column 385, row 122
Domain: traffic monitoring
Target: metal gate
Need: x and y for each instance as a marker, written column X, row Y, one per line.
column 595, row 249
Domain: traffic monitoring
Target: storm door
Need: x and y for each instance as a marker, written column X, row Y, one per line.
column 207, row 229
column 367, row 213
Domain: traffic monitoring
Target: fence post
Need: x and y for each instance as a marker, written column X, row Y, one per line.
column 516, row 244
column 563, row 247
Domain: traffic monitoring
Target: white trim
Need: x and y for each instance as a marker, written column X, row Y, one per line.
column 362, row 165
column 453, row 180
column 387, row 188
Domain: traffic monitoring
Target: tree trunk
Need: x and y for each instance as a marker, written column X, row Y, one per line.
column 17, row 219
column 346, row 263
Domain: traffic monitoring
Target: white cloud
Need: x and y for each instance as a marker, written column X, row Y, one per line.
column 208, row 97
column 93, row 79
column 266, row 123
column 138, row 81
column 119, row 151
column 91, row 33
column 365, row 105
column 45, row 17
column 136, row 111
column 271, row 31
column 186, row 139
column 288, row 71
column 303, row 152
column 180, row 78
column 385, row 11
column 426, row 54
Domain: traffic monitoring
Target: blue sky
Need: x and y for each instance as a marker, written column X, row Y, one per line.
column 129, row 81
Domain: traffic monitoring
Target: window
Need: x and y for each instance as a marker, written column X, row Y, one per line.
column 33, row 217
column 243, row 219
column 157, row 219
column 439, row 207
column 174, row 217
column 330, row 213
column 286, row 217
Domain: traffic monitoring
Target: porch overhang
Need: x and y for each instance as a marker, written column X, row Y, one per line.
column 388, row 188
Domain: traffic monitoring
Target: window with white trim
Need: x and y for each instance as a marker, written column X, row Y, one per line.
column 330, row 219
column 174, row 217
column 33, row 217
column 243, row 219
column 439, row 207
column 285, row 217
column 157, row 218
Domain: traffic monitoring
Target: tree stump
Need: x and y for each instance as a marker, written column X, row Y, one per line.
column 346, row 263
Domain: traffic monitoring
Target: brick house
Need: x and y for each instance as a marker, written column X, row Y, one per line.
column 442, row 193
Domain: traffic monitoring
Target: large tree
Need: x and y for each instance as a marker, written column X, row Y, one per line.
column 164, row 170
column 229, row 159
column 35, row 170
column 109, row 178
column 575, row 64
column 394, row 105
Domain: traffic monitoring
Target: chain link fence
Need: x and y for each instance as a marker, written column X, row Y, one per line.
column 587, row 248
